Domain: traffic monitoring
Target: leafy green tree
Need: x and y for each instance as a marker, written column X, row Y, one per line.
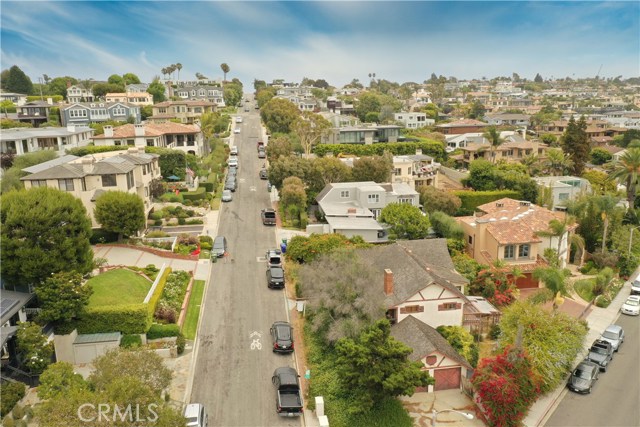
column 446, row 226
column 58, row 379
column 259, row 84
column 44, row 231
column 538, row 78
column 326, row 170
column 18, row 81
column 575, row 142
column 115, row 79
column 627, row 170
column 288, row 166
column 130, row 79
column 628, row 136
column 406, row 221
column 7, row 106
column 279, row 114
column 62, row 297
column 309, row 128
column 225, row 69
column 58, row 85
column 368, row 102
column 304, row 250
column 435, row 200
column 373, row 168
column 600, row 156
column 481, row 176
column 34, row 351
column 588, row 211
column 477, row 110
column 157, row 90
column 279, row 146
column 11, row 177
column 99, row 90
column 120, row 212
column 232, row 93
column 375, row 366
column 600, row 182
column 144, row 365
column 264, row 95
column 293, row 195
column 462, row 341
column 466, row 265
column 558, row 163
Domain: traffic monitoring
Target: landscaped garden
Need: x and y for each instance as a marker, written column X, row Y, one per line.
column 118, row 287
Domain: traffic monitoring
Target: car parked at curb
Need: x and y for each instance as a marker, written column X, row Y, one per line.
column 231, row 183
column 631, row 306
column 274, row 258
column 282, row 337
column 615, row 335
column 227, row 196
column 583, row 377
column 234, row 150
column 601, row 352
column 635, row 287
column 264, row 174
column 196, row 415
column 275, row 278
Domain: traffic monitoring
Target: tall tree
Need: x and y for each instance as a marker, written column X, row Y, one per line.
column 225, row 69
column 575, row 142
column 373, row 168
column 157, row 90
column 310, row 128
column 44, row 231
column 406, row 221
column 279, row 146
column 18, row 81
column 62, row 297
column 326, row 170
column 130, row 79
column 627, row 170
column 278, row 115
column 558, row 163
column 178, row 67
column 120, row 212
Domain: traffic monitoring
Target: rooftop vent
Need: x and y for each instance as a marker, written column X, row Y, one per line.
column 524, row 203
column 499, row 205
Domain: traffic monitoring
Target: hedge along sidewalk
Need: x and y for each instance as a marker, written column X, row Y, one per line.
column 185, row 303
column 190, row 326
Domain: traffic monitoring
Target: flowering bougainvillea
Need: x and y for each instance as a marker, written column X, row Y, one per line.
column 498, row 287
column 507, row 386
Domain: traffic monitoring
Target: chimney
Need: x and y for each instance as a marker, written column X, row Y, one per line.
column 50, row 101
column 388, row 282
column 138, row 130
column 108, row 131
column 418, row 151
column 352, row 211
column 87, row 164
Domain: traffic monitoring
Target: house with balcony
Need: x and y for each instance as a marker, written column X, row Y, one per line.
column 513, row 150
column 78, row 93
column 35, row 112
column 187, row 138
column 352, row 208
column 415, row 170
column 413, row 120
column 188, row 112
column 84, row 113
column 21, row 141
column 507, row 230
column 88, row 177
column 558, row 191
column 134, row 98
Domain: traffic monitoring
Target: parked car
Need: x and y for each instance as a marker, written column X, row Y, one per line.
column 238, row 119
column 219, row 247
column 631, row 306
column 583, row 377
column 227, row 196
column 262, row 154
column 236, row 130
column 635, row 287
column 615, row 335
column 282, row 337
column 232, row 172
column 264, row 174
column 233, row 162
column 268, row 216
column 601, row 352
column 288, row 394
column 275, row 277
column 234, row 150
column 230, row 184
column 274, row 258
column 196, row 415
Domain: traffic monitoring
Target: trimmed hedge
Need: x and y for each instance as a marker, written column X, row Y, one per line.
column 157, row 293
column 472, row 199
column 198, row 194
column 92, row 149
column 10, row 394
column 163, row 331
column 127, row 319
column 429, row 147
column 208, row 186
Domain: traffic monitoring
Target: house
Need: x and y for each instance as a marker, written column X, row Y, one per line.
column 20, row 141
column 363, row 134
column 187, row 138
column 413, row 120
column 352, row 208
column 419, row 280
column 35, row 112
column 437, row 356
column 510, row 151
column 562, row 189
column 209, row 93
column 90, row 176
column 134, row 98
column 84, row 113
column 415, row 170
column 461, row 126
column 17, row 98
column 188, row 112
column 78, row 93
column 507, row 119
column 507, row 230
column 13, row 309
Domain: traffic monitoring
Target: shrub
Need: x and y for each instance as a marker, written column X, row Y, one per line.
column 157, row 293
column 472, row 199
column 17, row 412
column 127, row 319
column 131, row 341
column 207, row 239
column 181, row 342
column 181, row 221
column 198, row 194
column 208, row 186
column 8, row 422
column 10, row 394
column 157, row 222
column 156, row 215
column 206, row 246
column 165, row 314
column 102, row 236
column 194, row 221
column 163, row 331
column 304, row 220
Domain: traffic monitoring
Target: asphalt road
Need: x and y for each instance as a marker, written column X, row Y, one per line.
column 615, row 399
column 234, row 361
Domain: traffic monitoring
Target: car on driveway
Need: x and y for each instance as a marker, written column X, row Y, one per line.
column 631, row 306
column 583, row 377
column 635, row 287
column 282, row 337
column 227, row 196
column 601, row 352
column 275, row 277
column 615, row 335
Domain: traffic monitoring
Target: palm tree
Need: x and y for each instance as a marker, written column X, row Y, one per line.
column 556, row 229
column 627, row 170
column 164, row 72
column 179, row 67
column 495, row 140
column 558, row 162
column 579, row 242
column 225, row 69
column 530, row 161
column 555, row 280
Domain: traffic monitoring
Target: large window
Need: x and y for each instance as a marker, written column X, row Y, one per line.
column 344, row 194
column 77, row 113
column 523, row 251
column 373, row 198
column 39, row 183
column 405, row 200
column 509, row 251
column 65, row 184
column 130, row 180
column 109, row 180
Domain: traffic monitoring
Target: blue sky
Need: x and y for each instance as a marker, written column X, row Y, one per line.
column 334, row 40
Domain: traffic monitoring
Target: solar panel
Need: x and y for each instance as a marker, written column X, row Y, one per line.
column 6, row 304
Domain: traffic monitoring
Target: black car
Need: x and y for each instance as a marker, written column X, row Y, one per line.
column 275, row 277
column 583, row 377
column 264, row 174
column 601, row 352
column 282, row 337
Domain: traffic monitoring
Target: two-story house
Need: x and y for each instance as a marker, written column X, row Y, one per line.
column 514, row 149
column 213, row 94
column 415, row 170
column 188, row 112
column 363, row 134
column 35, row 112
column 561, row 190
column 90, row 176
column 134, row 98
column 508, row 230
column 78, row 93
column 17, row 98
column 413, row 120
column 351, row 208
column 187, row 138
column 20, row 141
column 97, row 112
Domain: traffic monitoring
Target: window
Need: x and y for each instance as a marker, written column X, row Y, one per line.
column 411, row 309
column 376, row 213
column 130, row 180
column 39, row 183
column 65, row 184
column 397, row 171
column 449, row 306
column 563, row 196
column 109, row 180
column 149, row 142
column 509, row 251
column 130, row 142
column 83, row 182
column 471, row 240
column 523, row 251
column 373, row 198
column 119, row 111
column 405, row 200
column 344, row 194
column 77, row 113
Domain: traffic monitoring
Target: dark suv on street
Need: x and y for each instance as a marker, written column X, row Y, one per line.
column 282, row 337
column 275, row 277
column 601, row 352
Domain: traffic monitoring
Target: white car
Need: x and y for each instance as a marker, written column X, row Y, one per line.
column 227, row 196
column 234, row 151
column 631, row 306
column 238, row 119
column 635, row 287
column 236, row 130
column 196, row 415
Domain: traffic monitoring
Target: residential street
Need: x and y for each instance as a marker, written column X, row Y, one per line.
column 234, row 362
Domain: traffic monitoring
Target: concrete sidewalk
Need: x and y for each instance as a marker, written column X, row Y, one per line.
column 598, row 319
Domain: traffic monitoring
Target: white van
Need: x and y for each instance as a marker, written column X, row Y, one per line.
column 196, row 415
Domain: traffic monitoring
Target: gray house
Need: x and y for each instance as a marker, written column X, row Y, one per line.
column 562, row 189
column 200, row 93
column 351, row 208
column 83, row 113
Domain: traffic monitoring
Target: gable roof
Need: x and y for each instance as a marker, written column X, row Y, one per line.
column 150, row 129
column 424, row 340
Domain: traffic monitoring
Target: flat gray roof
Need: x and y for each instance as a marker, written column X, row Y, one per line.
column 93, row 338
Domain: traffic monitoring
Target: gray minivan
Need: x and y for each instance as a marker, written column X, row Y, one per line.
column 219, row 247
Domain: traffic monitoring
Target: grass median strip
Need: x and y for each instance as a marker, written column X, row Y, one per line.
column 190, row 326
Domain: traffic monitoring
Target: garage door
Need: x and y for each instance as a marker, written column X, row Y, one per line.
column 447, row 379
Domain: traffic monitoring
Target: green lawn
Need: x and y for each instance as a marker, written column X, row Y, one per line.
column 118, row 287
column 190, row 326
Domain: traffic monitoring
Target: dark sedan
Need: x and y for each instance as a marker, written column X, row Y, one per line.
column 282, row 337
column 275, row 277
column 583, row 377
